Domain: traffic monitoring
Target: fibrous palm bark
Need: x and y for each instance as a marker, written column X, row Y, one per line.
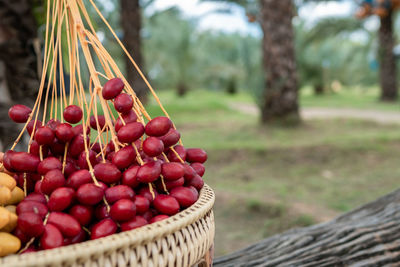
column 280, row 100
column 387, row 60
column 131, row 25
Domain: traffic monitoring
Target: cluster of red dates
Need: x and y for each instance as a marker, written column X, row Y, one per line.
column 78, row 190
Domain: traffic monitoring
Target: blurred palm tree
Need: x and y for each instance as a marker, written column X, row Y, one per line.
column 170, row 50
column 385, row 10
column 131, row 23
column 19, row 60
column 279, row 102
column 317, row 52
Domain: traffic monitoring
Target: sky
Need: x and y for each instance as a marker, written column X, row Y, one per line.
column 237, row 20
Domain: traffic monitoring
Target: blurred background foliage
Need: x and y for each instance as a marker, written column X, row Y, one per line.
column 180, row 56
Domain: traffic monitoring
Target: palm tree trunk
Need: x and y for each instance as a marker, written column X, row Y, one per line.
column 131, row 25
column 388, row 80
column 318, row 89
column 182, row 89
column 19, row 71
column 280, row 101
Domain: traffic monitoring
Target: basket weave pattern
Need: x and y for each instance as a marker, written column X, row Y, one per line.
column 181, row 240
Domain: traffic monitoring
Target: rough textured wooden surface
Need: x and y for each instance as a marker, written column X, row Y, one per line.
column 366, row 236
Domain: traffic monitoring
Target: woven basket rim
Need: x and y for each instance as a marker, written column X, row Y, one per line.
column 139, row 236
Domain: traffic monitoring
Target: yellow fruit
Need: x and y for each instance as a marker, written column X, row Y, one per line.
column 17, row 195
column 5, row 195
column 4, row 217
column 9, row 244
column 7, row 181
column 11, row 208
column 11, row 224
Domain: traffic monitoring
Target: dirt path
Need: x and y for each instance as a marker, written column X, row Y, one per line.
column 383, row 117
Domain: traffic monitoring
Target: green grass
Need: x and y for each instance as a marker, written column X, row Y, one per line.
column 361, row 98
column 269, row 179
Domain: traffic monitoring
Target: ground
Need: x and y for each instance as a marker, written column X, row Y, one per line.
column 270, row 179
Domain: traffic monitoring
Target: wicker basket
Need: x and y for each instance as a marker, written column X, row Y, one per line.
column 181, row 240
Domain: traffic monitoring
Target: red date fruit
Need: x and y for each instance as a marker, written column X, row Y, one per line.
column 67, row 224
column 101, row 212
column 27, row 206
column 83, row 214
column 44, row 136
column 76, row 239
column 180, row 150
column 96, row 147
column 190, row 173
column 28, row 181
column 57, row 148
column 147, row 215
column 49, row 164
column 158, row 126
column 34, row 148
column 107, row 173
column 129, row 177
column 145, row 192
column 24, row 162
column 82, row 161
column 61, row 198
column 100, row 119
column 70, row 168
column 51, row 238
column 19, row 113
column 153, row 146
column 38, row 187
column 103, row 228
column 142, row 204
column 36, row 197
column 31, row 224
column 110, row 147
column 53, row 123
column 185, row 196
column 198, row 168
column 78, row 178
column 90, row 194
column 78, row 129
column 166, row 204
column 123, row 103
column 73, row 114
column 123, row 210
column 21, row 235
column 159, row 218
column 170, row 138
column 7, row 160
column 118, row 192
column 51, row 181
column 196, row 155
column 149, row 172
column 130, row 132
column 197, row 182
column 136, row 222
column 170, row 184
column 77, row 146
column 33, row 124
column 127, row 117
column 64, row 132
column 125, row 157
column 112, row 88
column 172, row 170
